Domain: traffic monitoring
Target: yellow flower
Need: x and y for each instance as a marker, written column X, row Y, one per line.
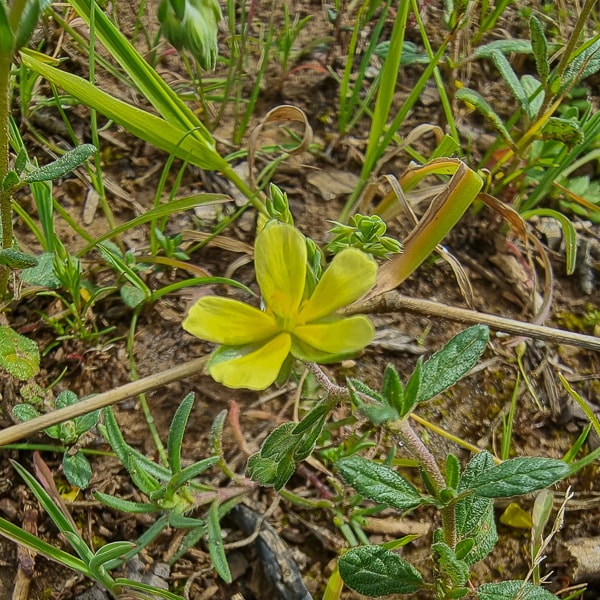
column 256, row 343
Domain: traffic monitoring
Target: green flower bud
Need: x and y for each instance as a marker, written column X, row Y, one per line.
column 192, row 25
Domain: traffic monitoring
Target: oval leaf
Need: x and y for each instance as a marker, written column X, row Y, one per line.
column 379, row 483
column 77, row 470
column 375, row 571
column 453, row 361
column 19, row 355
column 519, row 476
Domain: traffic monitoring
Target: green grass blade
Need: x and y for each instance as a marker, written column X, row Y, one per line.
column 162, row 210
column 172, row 138
column 149, row 82
column 26, row 539
column 389, row 77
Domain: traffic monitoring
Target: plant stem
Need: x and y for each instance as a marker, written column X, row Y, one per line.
column 5, row 198
column 334, row 391
column 417, row 448
column 146, row 384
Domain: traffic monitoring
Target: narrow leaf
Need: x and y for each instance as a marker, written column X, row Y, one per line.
column 482, row 106
column 513, row 590
column 539, row 45
column 61, row 166
column 7, row 40
column 375, row 571
column 513, row 82
column 379, row 483
column 215, row 543
column 177, row 431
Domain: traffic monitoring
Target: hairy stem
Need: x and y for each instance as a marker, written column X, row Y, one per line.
column 5, row 199
column 333, row 390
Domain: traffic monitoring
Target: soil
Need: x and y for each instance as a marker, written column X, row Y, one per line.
column 472, row 411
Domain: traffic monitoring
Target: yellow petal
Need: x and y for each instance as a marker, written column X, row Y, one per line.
column 343, row 336
column 280, row 263
column 350, row 275
column 227, row 321
column 254, row 368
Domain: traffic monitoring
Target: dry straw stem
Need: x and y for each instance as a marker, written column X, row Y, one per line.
column 146, row 384
column 393, row 302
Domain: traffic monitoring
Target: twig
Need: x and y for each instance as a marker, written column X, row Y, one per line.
column 391, row 302
column 146, row 384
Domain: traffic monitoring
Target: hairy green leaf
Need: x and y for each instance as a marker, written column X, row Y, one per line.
column 453, row 361
column 379, row 483
column 215, row 543
column 177, row 430
column 77, row 469
column 539, row 45
column 518, row 476
column 375, row 571
column 513, row 590
column 482, row 105
column 19, row 355
column 61, row 166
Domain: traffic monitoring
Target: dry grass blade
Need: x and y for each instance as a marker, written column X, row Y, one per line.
column 280, row 114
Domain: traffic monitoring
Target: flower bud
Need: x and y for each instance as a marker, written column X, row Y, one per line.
column 192, row 25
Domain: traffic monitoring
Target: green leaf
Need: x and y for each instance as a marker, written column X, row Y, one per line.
column 453, row 361
column 43, row 274
column 279, row 442
column 452, row 471
column 536, row 94
column 504, row 46
column 28, row 22
column 511, row 590
column 109, row 552
column 184, row 475
column 508, row 74
column 61, row 166
column 307, row 442
column 392, row 389
column 24, row 412
column 77, row 469
column 379, row 483
column 563, row 130
column 7, row 40
column 375, row 571
column 125, row 505
column 215, row 543
column 15, row 259
column 10, row 182
column 262, row 470
column 539, row 46
column 481, row 105
column 86, row 422
column 177, row 431
column 586, row 63
column 132, row 295
column 457, row 570
column 475, row 515
column 518, row 476
column 19, row 356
